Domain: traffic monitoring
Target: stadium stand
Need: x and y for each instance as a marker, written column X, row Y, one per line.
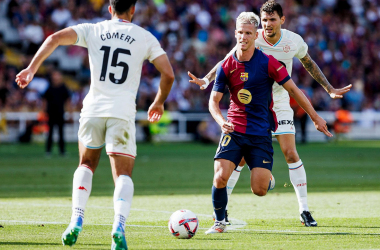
column 343, row 38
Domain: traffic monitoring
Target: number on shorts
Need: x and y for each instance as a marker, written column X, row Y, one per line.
column 226, row 140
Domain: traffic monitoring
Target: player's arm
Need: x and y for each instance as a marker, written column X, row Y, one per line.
column 163, row 65
column 296, row 93
column 63, row 37
column 205, row 81
column 213, row 106
column 313, row 69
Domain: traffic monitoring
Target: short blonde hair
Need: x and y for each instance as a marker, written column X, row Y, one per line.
column 249, row 18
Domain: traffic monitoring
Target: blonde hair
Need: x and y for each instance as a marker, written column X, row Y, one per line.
column 249, row 18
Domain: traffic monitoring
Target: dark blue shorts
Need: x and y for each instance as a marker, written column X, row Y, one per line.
column 256, row 150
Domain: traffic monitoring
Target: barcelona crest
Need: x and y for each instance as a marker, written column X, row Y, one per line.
column 244, row 76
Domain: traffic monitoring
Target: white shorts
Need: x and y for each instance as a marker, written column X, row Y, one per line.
column 119, row 136
column 285, row 120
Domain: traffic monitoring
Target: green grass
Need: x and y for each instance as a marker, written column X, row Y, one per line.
column 343, row 184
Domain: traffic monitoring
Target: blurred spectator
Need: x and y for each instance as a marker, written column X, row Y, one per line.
column 342, row 35
column 56, row 97
column 343, row 122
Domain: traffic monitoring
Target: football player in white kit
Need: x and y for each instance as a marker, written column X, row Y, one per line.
column 117, row 49
column 283, row 45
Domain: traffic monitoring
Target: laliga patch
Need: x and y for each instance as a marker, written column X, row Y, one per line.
column 244, row 76
column 244, row 96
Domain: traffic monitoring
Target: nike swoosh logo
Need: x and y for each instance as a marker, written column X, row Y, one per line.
column 280, row 67
column 218, row 208
column 232, row 71
column 264, row 161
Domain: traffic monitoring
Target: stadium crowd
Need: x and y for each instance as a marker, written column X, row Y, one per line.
column 343, row 38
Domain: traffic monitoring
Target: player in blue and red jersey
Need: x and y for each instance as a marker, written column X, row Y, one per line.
column 249, row 75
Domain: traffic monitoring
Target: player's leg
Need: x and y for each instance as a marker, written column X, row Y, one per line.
column 91, row 142
column 231, row 184
column 259, row 156
column 226, row 159
column 222, row 171
column 260, row 180
column 121, row 148
column 297, row 176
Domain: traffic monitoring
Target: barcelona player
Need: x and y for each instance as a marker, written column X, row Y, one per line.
column 249, row 75
column 283, row 45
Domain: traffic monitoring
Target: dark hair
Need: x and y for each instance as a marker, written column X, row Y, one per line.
column 122, row 6
column 270, row 7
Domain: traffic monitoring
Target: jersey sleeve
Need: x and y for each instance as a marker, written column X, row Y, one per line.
column 277, row 71
column 82, row 31
column 154, row 47
column 220, row 80
column 301, row 48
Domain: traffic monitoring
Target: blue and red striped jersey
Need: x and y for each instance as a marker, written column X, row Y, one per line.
column 250, row 85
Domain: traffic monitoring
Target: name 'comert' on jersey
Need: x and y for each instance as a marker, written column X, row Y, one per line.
column 117, row 49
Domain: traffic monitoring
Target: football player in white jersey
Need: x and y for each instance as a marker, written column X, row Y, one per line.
column 117, row 49
column 283, row 45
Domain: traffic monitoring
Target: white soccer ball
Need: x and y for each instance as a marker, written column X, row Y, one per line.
column 183, row 224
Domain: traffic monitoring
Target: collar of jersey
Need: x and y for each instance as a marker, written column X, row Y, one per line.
column 254, row 55
column 120, row 20
column 273, row 45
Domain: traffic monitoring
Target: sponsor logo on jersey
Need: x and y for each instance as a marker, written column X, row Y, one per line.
column 286, row 48
column 244, row 76
column 244, row 96
column 285, row 122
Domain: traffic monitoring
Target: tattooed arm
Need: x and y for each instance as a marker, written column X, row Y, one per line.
column 317, row 74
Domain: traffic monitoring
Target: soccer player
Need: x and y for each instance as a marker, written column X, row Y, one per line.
column 249, row 75
column 117, row 49
column 283, row 45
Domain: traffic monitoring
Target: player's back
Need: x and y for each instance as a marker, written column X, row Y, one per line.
column 117, row 49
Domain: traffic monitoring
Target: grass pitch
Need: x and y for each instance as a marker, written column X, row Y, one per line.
column 343, row 184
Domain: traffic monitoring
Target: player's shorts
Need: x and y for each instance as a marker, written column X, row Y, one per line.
column 285, row 120
column 118, row 135
column 256, row 150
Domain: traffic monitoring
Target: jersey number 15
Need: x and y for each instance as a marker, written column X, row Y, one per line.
column 114, row 63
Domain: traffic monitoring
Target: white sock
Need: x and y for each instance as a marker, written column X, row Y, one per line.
column 297, row 176
column 82, row 184
column 122, row 200
column 232, row 181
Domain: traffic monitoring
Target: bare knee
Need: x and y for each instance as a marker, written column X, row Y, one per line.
column 88, row 163
column 220, row 181
column 291, row 155
column 259, row 191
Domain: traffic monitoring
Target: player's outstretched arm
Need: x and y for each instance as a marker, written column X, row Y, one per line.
column 213, row 106
column 205, row 81
column 63, row 37
column 318, row 75
column 296, row 93
column 156, row 109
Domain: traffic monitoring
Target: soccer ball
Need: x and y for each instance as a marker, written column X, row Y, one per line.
column 183, row 224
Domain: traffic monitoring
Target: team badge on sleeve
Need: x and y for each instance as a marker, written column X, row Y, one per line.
column 244, row 76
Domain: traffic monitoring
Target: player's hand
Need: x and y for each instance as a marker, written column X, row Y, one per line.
column 321, row 125
column 155, row 112
column 227, row 127
column 200, row 82
column 338, row 93
column 24, row 78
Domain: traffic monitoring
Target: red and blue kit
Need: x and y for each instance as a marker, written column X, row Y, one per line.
column 250, row 111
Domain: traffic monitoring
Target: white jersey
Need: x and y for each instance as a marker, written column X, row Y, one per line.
column 290, row 45
column 117, row 49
